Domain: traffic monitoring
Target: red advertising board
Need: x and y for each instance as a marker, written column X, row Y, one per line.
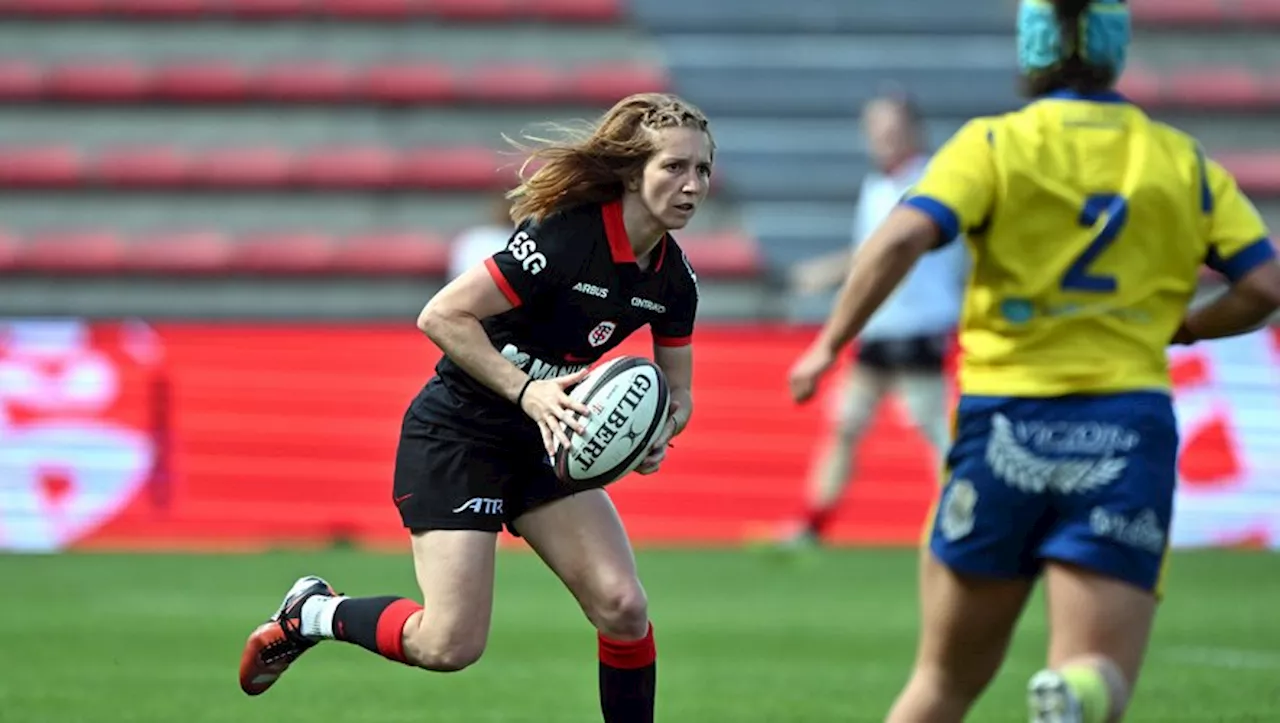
column 239, row 436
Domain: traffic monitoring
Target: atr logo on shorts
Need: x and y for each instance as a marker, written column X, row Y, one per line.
column 1143, row 531
column 957, row 511
column 525, row 250
column 591, row 290
column 482, row 506
column 601, row 333
column 1023, row 469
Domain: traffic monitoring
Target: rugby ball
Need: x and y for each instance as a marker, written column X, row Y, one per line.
column 629, row 402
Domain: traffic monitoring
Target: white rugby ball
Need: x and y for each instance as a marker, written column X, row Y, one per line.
column 629, row 402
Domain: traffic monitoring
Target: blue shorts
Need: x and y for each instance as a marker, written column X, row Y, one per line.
column 1083, row 479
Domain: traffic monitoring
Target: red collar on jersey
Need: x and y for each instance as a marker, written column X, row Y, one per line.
column 615, row 229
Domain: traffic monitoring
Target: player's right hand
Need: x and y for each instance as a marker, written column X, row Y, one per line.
column 808, row 371
column 547, row 402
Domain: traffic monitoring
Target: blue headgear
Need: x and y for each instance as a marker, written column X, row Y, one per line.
column 1105, row 28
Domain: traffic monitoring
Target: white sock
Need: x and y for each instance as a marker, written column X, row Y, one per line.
column 317, row 616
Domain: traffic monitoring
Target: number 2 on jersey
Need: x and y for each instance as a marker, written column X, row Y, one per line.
column 1116, row 208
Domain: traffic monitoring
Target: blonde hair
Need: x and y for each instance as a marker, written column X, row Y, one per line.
column 592, row 164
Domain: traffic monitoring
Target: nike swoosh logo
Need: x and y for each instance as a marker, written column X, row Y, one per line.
column 401, row 499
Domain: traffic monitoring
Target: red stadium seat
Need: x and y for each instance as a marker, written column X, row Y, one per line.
column 58, row 8
column 307, row 81
column 287, row 252
column 347, row 167
column 1141, row 86
column 392, row 252
column 1178, row 12
column 727, row 254
column 419, row 252
column 410, row 82
column 369, row 9
column 103, row 81
column 1259, row 11
column 179, row 252
column 486, row 10
column 193, row 81
column 71, row 252
column 1206, row 13
column 321, row 81
column 1216, row 88
column 20, row 80
column 1257, row 172
column 579, row 11
column 607, row 84
column 147, row 166
column 243, row 167
column 453, row 168
column 259, row 9
column 160, row 9
column 512, row 83
column 41, row 167
column 10, row 244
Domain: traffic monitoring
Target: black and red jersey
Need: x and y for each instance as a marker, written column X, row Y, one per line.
column 578, row 293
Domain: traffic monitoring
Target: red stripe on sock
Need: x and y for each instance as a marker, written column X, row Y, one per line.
column 628, row 654
column 391, row 626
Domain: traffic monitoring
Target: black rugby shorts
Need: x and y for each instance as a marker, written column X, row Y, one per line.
column 447, row 479
column 909, row 354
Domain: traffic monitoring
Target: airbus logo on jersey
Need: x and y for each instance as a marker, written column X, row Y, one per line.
column 591, row 290
column 537, row 368
column 525, row 250
column 481, row 506
column 647, row 305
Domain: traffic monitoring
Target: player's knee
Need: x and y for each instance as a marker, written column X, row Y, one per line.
column 445, row 652
column 620, row 609
column 852, row 426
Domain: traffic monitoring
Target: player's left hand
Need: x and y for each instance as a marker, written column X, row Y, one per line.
column 658, row 451
column 809, row 370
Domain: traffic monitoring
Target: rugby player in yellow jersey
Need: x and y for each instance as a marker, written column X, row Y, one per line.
column 1087, row 223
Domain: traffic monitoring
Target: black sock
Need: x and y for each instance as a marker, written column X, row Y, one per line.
column 628, row 679
column 819, row 521
column 375, row 624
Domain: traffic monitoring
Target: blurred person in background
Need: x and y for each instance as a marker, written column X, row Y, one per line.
column 1088, row 222
column 518, row 331
column 477, row 243
column 904, row 346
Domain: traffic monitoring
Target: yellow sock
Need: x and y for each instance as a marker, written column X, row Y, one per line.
column 1090, row 688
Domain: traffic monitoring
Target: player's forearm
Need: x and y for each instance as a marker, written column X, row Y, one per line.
column 1233, row 313
column 877, row 270
column 461, row 336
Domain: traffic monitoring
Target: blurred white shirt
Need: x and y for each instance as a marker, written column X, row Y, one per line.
column 474, row 245
column 930, row 298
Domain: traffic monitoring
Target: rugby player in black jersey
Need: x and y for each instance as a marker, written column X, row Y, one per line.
column 590, row 262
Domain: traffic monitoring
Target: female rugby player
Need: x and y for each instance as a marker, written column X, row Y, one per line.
column 1088, row 223
column 590, row 262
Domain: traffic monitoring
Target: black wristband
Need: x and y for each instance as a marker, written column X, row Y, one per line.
column 520, row 396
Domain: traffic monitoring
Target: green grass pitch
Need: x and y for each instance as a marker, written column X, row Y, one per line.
column 743, row 637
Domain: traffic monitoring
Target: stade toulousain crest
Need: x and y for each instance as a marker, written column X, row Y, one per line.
column 601, row 333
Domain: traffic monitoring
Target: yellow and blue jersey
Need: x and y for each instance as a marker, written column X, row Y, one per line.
column 1088, row 223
